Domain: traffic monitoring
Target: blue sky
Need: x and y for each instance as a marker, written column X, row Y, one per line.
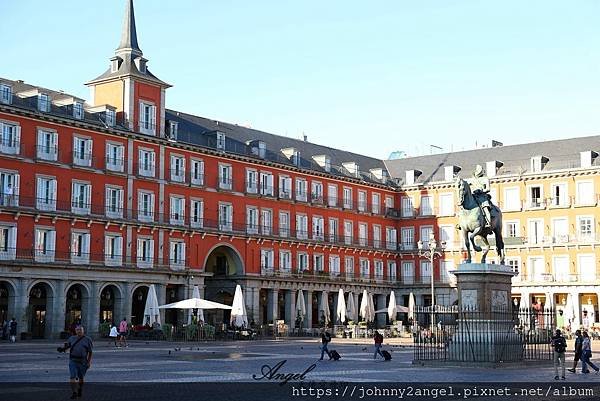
column 369, row 77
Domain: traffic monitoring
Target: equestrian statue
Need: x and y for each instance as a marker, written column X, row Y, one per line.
column 478, row 216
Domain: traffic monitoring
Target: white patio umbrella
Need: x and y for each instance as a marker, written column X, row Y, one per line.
column 364, row 306
column 195, row 294
column 371, row 308
column 324, row 307
column 569, row 313
column 524, row 304
column 392, row 307
column 351, row 307
column 300, row 305
column 411, row 309
column 341, row 306
column 238, row 318
column 151, row 312
column 195, row 303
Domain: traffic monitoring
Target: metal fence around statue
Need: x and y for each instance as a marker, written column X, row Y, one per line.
column 469, row 335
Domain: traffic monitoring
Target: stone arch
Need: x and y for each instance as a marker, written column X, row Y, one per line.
column 224, row 253
column 111, row 303
column 77, row 297
column 8, row 296
column 138, row 296
column 39, row 317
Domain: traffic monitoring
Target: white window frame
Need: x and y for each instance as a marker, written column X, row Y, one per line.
column 391, row 238
column 46, row 203
column 587, row 276
column 408, row 272
column 425, row 267
column 5, row 94
column 177, row 254
column 8, row 241
column 81, row 204
column 427, row 207
column 301, row 226
column 47, row 150
column 266, row 184
column 115, row 157
column 408, row 241
column 446, row 207
column 113, row 257
column 146, row 169
column 10, row 140
column 113, row 211
column 251, row 181
column 392, row 271
column 145, row 215
column 225, row 176
column 9, row 196
column 43, row 102
column 266, row 221
column 376, row 203
column 197, row 172
column 285, row 187
column 316, row 192
column 512, row 205
column 147, row 123
column 78, row 111
column 225, row 216
column 44, row 252
column 378, row 269
column 332, row 195
column 319, row 262
column 334, row 265
column 285, row 261
column 284, row 224
column 408, row 206
column 252, row 214
column 82, row 257
column 318, row 228
column 196, row 219
column 563, row 199
column 301, row 190
column 177, row 169
column 348, row 232
column 302, row 262
column 147, row 260
column 365, row 267
column 362, row 205
column 586, row 236
column 177, row 217
column 347, row 198
column 349, row 267
column 584, row 200
column 376, row 236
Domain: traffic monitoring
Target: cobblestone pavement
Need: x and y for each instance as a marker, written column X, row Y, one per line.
column 238, row 361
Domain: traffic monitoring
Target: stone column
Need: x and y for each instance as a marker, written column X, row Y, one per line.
column 252, row 299
column 20, row 305
column 381, row 317
column 161, row 297
column 93, row 310
column 126, row 302
column 308, row 295
column 272, row 308
column 320, row 296
column 334, row 316
column 290, row 309
column 577, row 308
column 59, row 306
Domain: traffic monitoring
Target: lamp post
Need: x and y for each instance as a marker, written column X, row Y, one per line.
column 430, row 253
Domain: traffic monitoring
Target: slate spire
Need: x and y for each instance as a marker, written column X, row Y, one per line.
column 129, row 43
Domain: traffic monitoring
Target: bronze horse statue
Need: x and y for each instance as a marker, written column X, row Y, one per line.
column 471, row 220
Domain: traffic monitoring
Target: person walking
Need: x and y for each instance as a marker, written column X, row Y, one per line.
column 123, row 333
column 559, row 344
column 80, row 359
column 378, row 340
column 578, row 345
column 325, row 340
column 13, row 330
column 586, row 354
column 114, row 334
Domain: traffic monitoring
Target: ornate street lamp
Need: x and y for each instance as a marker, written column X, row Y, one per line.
column 430, row 253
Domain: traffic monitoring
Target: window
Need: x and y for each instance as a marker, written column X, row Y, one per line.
column 389, row 202
column 408, row 272
column 173, row 125
column 332, row 195
column 318, row 228
column 426, row 232
column 220, row 141
column 317, row 192
column 365, row 268
column 301, row 226
column 378, row 267
column 115, row 157
column 43, row 102
column 349, row 266
column 514, row 264
column 447, row 204
column 113, row 250
column 177, row 210
column 251, row 181
column 8, row 242
column 585, row 193
column 391, row 238
column 425, row 272
column 334, row 265
column 376, row 236
column 536, row 231
column 82, row 151
column 585, row 228
column 561, row 268
column 318, row 263
column 266, row 259
column 285, row 187
column 375, row 203
column 446, row 266
column 46, row 194
column 47, row 145
column 408, row 209
column 302, row 260
column 225, row 179
column 284, row 224
column 362, row 234
column 536, row 164
column 5, row 94
column 266, row 184
column 266, row 221
column 197, row 213
column 348, row 232
column 80, row 248
column 197, row 172
column 587, row 267
column 225, row 217
column 252, row 220
column 114, row 202
column 147, row 118
column 362, row 201
column 111, row 118
column 177, row 168
column 559, row 195
column 146, row 163
column 81, row 197
column 333, row 230
column 535, row 197
column 285, row 261
column 145, row 252
column 537, row 269
column 145, row 206
column 45, row 239
column 301, row 190
column 560, row 230
column 78, row 110
column 9, row 189
column 11, row 138
column 177, row 254
column 408, row 238
column 426, row 205
column 512, row 200
column 447, row 235
column 392, row 271
column 347, row 198
column 512, row 229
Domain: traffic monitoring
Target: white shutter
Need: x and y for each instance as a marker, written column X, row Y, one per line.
column 51, row 243
column 182, row 254
column 73, row 196
column 88, row 196
column 119, row 248
column 39, row 191
column 120, row 205
column 153, row 117
column 120, row 162
column 18, row 139
column 152, row 205
column 107, row 241
column 12, row 240
column 151, row 250
column 142, row 114
column 86, row 245
column 152, row 166
column 88, row 149
column 140, row 251
column 40, row 141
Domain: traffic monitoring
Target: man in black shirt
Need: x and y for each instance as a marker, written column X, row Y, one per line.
column 559, row 344
column 578, row 344
column 80, row 359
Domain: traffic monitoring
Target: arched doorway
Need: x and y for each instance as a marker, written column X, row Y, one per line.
column 138, row 302
column 6, row 294
column 225, row 263
column 75, row 307
column 175, row 316
column 110, row 302
column 263, row 306
column 40, row 297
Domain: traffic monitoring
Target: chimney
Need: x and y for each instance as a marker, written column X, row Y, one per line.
column 305, row 137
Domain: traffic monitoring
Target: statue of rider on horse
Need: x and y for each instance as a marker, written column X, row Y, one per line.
column 478, row 216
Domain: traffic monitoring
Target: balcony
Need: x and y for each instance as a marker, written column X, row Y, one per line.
column 316, row 198
column 196, row 178
column 535, row 204
column 83, row 159
column 301, row 196
column 147, row 128
column 225, row 183
column 146, row 170
column 266, row 190
column 10, row 146
column 251, row 187
column 178, row 175
column 333, row 201
column 559, row 202
column 585, row 201
column 285, row 194
column 423, row 211
column 46, row 153
column 114, row 164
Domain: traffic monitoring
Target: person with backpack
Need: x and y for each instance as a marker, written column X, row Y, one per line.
column 13, row 330
column 325, row 340
column 559, row 344
column 378, row 339
column 578, row 345
column 586, row 354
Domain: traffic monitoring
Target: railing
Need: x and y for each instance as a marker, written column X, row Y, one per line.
column 10, row 146
column 48, row 153
column 144, row 170
column 322, row 275
column 178, row 175
column 115, row 164
column 225, row 183
column 84, row 159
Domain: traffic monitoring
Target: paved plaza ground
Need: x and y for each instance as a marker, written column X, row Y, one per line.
column 157, row 362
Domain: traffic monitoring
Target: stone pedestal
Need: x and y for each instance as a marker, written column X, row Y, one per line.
column 486, row 325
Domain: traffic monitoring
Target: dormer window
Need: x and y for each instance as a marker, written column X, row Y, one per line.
column 258, row 148
column 411, row 176
column 379, row 173
column 5, row 94
column 140, row 63
column 110, row 118
column 173, row 130
column 43, row 102
column 114, row 65
column 587, row 158
column 220, row 141
column 538, row 163
column 324, row 162
column 352, row 168
column 293, row 154
column 450, row 172
column 78, row 110
column 491, row 167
